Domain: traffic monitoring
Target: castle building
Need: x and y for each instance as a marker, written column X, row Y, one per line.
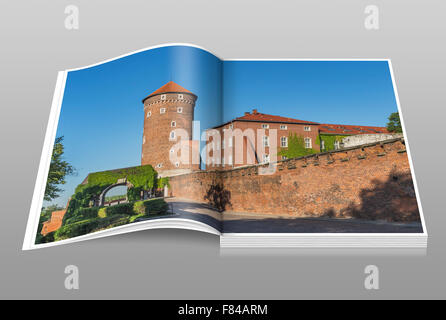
column 315, row 136
column 251, row 153
column 169, row 108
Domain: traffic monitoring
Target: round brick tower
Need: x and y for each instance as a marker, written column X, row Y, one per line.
column 166, row 109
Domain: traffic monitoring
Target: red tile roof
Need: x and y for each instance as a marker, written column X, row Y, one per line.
column 350, row 129
column 262, row 117
column 170, row 87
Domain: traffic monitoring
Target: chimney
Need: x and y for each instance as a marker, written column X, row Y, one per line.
column 254, row 111
column 246, row 113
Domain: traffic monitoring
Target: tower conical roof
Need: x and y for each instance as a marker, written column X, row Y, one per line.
column 170, row 87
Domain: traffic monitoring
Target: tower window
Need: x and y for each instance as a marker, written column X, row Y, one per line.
column 283, row 127
column 307, row 143
column 163, row 97
column 180, row 97
column 149, row 113
column 173, row 124
column 307, row 128
column 162, row 110
column 180, row 110
column 266, row 158
column 265, row 126
column 284, row 142
column 172, row 135
column 265, row 141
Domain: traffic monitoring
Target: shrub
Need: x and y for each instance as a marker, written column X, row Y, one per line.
column 124, row 208
column 44, row 239
column 90, row 225
column 102, row 213
column 87, row 213
column 153, row 206
column 133, row 218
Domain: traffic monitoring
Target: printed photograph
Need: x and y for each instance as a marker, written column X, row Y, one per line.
column 243, row 146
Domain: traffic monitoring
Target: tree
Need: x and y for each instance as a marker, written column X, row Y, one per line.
column 59, row 169
column 394, row 124
column 296, row 147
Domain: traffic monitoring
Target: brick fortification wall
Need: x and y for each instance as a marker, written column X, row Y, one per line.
column 370, row 181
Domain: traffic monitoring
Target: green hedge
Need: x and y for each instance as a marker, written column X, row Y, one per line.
column 89, row 225
column 79, row 214
column 153, row 206
column 87, row 220
column 123, row 208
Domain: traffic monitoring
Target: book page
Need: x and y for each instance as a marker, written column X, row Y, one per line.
column 315, row 147
column 122, row 135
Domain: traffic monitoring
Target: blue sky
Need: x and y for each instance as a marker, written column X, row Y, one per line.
column 338, row 92
column 102, row 114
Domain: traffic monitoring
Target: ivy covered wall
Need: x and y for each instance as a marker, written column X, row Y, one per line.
column 138, row 178
column 329, row 141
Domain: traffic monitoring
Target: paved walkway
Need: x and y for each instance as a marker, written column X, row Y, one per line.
column 247, row 223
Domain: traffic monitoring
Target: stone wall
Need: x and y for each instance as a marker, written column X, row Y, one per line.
column 370, row 181
column 360, row 139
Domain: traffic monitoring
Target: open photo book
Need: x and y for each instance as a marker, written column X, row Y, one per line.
column 262, row 153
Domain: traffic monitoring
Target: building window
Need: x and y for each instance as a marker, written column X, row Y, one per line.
column 180, row 110
column 180, row 97
column 265, row 141
column 265, row 126
column 322, row 144
column 162, row 110
column 159, row 165
column 283, row 127
column 307, row 128
column 172, row 135
column 177, row 164
column 173, row 124
column 337, row 145
column 149, row 113
column 307, row 143
column 284, row 157
column 266, row 158
column 163, row 97
column 284, row 142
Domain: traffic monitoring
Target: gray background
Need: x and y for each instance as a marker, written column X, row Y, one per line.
column 184, row 264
